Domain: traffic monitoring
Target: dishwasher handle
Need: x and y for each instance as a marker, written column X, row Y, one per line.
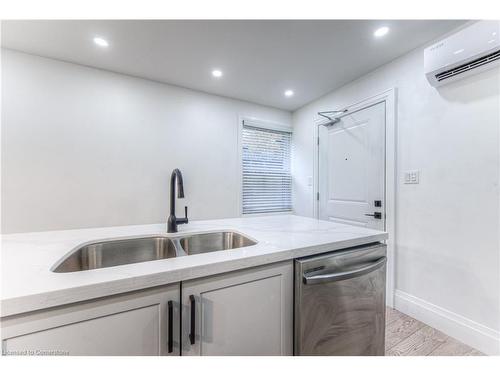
column 315, row 278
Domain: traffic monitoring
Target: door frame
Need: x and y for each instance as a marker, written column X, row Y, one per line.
column 389, row 97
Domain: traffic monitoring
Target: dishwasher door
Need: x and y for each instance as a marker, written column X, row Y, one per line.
column 340, row 302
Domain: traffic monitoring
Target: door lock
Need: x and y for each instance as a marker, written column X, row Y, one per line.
column 376, row 215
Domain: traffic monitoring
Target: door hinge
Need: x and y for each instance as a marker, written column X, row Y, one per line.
column 318, row 141
column 317, row 196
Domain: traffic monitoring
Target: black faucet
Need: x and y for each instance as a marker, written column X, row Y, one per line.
column 172, row 220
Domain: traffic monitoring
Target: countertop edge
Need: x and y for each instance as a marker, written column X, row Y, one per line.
column 65, row 296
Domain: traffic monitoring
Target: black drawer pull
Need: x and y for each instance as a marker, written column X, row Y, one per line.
column 193, row 317
column 170, row 326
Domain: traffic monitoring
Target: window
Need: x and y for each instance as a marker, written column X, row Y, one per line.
column 267, row 179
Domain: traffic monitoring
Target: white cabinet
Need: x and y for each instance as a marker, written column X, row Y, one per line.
column 137, row 323
column 247, row 312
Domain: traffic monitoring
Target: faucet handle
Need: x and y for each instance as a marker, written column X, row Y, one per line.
column 184, row 220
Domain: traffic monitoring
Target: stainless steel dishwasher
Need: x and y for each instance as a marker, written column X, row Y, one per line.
column 340, row 302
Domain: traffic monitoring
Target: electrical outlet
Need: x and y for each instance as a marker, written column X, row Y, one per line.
column 412, row 177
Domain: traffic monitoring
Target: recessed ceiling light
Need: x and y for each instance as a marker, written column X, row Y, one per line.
column 458, row 51
column 289, row 93
column 381, row 31
column 101, row 42
column 217, row 73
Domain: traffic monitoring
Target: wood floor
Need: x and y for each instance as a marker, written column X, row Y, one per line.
column 405, row 336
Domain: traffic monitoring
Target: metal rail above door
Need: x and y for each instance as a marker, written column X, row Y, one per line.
column 331, row 121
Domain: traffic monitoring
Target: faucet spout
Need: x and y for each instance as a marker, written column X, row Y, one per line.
column 180, row 184
column 172, row 220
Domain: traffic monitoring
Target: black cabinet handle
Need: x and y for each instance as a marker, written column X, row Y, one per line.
column 170, row 326
column 193, row 316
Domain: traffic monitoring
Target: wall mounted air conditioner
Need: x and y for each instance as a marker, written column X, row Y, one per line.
column 471, row 50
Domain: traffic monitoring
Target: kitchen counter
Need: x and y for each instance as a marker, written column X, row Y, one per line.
column 28, row 283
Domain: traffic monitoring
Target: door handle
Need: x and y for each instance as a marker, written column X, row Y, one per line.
column 193, row 316
column 317, row 278
column 170, row 326
column 375, row 215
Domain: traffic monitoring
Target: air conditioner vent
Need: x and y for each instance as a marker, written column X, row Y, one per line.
column 469, row 66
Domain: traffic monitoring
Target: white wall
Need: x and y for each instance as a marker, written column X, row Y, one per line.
column 448, row 259
column 83, row 147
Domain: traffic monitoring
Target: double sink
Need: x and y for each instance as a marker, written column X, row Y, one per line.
column 119, row 252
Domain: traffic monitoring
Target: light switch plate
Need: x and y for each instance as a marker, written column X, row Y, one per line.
column 412, row 177
column 309, row 181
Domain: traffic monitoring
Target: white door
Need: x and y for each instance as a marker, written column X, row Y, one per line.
column 352, row 168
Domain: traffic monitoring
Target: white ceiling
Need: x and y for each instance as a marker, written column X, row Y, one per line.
column 260, row 59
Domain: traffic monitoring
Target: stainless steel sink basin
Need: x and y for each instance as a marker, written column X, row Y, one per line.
column 119, row 252
column 116, row 253
column 208, row 242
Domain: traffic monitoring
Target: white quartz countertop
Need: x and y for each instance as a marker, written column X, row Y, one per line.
column 28, row 283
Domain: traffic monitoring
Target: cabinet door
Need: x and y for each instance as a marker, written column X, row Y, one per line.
column 247, row 312
column 138, row 323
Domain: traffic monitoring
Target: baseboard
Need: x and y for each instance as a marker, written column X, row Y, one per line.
column 469, row 332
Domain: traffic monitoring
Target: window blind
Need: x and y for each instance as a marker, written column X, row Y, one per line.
column 267, row 179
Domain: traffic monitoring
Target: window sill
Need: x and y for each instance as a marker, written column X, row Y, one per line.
column 290, row 212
